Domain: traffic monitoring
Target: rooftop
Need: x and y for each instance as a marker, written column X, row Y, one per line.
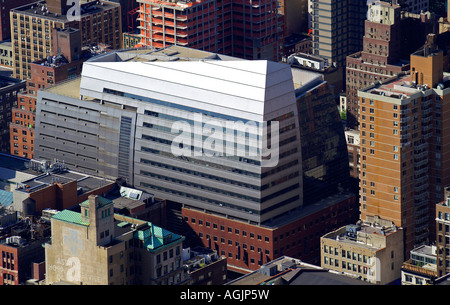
column 6, row 82
column 289, row 271
column 56, row 173
column 69, row 88
column 364, row 234
column 400, row 87
column 39, row 9
column 150, row 54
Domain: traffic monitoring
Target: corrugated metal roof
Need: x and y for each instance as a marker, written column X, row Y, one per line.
column 6, row 198
column 70, row 216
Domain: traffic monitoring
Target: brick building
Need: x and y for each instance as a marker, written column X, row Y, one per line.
column 404, row 142
column 372, row 250
column 442, row 235
column 248, row 246
column 17, row 255
column 391, row 35
column 56, row 189
column 10, row 88
column 380, row 57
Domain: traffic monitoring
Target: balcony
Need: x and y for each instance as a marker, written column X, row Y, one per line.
column 427, row 269
column 420, row 155
column 419, row 164
column 405, row 119
column 420, row 180
column 421, row 187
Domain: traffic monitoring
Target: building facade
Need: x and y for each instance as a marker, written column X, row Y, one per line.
column 442, row 236
column 10, row 88
column 17, row 255
column 6, row 51
column 404, row 141
column 372, row 250
column 248, row 246
column 421, row 268
column 5, row 25
column 337, row 28
column 32, row 27
column 379, row 58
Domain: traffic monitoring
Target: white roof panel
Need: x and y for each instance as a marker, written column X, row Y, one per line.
column 231, row 85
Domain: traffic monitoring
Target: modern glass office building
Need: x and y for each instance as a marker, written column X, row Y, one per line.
column 185, row 125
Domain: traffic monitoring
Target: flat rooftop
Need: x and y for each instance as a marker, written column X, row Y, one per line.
column 400, row 87
column 85, row 183
column 290, row 271
column 39, row 9
column 150, row 54
column 308, row 210
column 70, row 88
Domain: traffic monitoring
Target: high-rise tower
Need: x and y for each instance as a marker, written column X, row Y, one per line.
column 404, row 143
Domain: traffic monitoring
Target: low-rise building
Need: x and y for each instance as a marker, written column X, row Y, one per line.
column 20, row 247
column 204, row 266
column 91, row 245
column 371, row 250
column 421, row 268
column 55, row 187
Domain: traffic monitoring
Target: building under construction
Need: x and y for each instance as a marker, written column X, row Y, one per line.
column 229, row 27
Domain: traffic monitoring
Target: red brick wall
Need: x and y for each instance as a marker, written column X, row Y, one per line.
column 299, row 238
column 11, row 270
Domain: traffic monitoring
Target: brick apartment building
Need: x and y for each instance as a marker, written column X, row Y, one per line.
column 10, row 88
column 380, row 57
column 404, row 142
column 387, row 44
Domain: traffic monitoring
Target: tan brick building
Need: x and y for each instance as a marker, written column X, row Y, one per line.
column 443, row 235
column 32, row 25
column 372, row 250
column 404, row 146
column 94, row 246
